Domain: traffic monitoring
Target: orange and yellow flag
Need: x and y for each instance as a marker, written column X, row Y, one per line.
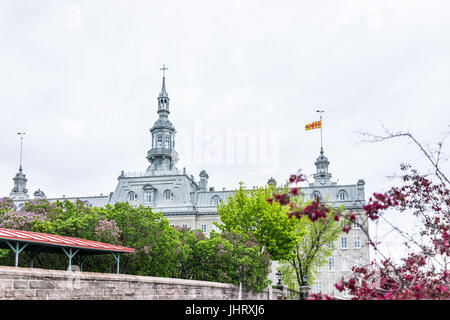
column 313, row 125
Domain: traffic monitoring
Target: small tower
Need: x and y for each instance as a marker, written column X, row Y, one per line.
column 39, row 194
column 20, row 191
column 162, row 156
column 272, row 182
column 322, row 175
column 204, row 181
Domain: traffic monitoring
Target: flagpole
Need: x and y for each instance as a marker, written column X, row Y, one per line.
column 21, row 134
column 321, row 143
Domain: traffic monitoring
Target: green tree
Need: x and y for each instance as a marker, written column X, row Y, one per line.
column 160, row 250
column 157, row 245
column 231, row 258
column 314, row 247
column 247, row 212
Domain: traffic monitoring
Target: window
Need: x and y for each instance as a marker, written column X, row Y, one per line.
column 87, row 204
column 159, row 142
column 185, row 226
column 132, row 196
column 215, row 200
column 330, row 263
column 168, row 195
column 166, row 142
column 318, row 285
column 344, row 243
column 318, row 268
column 331, row 289
column 355, row 224
column 357, row 261
column 148, row 195
column 331, row 245
column 342, row 195
column 344, row 264
column 357, row 242
column 203, row 227
column 316, row 195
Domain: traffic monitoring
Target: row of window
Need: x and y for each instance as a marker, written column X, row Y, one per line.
column 159, row 142
column 341, row 195
column 167, row 195
column 203, row 228
column 356, row 242
column 344, row 243
column 148, row 196
column 345, row 263
column 318, row 286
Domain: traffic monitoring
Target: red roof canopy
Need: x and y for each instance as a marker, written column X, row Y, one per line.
column 59, row 241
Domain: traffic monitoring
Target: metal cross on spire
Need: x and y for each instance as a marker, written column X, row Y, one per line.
column 21, row 134
column 164, row 70
column 321, row 124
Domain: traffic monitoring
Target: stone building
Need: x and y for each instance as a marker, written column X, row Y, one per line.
column 191, row 203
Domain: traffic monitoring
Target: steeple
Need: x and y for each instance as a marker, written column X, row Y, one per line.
column 162, row 156
column 163, row 92
column 163, row 99
column 20, row 191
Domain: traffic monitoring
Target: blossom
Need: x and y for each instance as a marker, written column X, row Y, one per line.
column 21, row 220
column 108, row 231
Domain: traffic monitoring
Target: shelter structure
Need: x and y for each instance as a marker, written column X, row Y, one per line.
column 35, row 243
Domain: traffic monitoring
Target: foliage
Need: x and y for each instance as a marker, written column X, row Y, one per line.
column 423, row 273
column 247, row 212
column 231, row 258
column 160, row 250
column 318, row 223
column 420, row 275
column 313, row 249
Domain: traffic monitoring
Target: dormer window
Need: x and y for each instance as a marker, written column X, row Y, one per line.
column 316, row 195
column 148, row 196
column 132, row 196
column 168, row 195
column 215, row 200
column 342, row 195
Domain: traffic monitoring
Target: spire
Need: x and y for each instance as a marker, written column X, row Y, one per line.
column 162, row 156
column 163, row 99
column 163, row 92
column 20, row 191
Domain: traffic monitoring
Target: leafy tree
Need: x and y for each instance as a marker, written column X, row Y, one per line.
column 248, row 213
column 231, row 258
column 313, row 248
column 160, row 250
column 155, row 242
column 423, row 273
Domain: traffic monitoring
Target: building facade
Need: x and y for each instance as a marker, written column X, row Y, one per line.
column 186, row 201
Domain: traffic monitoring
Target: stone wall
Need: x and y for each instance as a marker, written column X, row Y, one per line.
column 27, row 283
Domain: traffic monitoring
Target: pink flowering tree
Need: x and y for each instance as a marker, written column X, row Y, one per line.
column 423, row 273
column 24, row 220
column 108, row 231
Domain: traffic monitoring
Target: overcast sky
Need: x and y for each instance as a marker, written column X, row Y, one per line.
column 81, row 79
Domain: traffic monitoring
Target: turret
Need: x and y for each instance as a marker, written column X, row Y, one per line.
column 162, row 155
